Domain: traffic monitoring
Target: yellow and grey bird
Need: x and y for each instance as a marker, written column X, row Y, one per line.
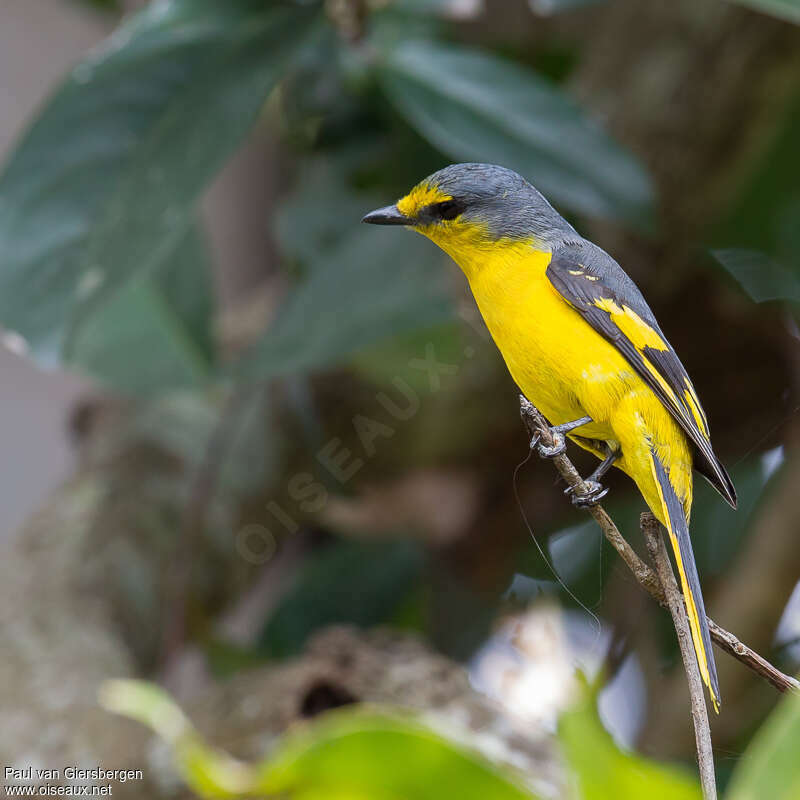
column 581, row 343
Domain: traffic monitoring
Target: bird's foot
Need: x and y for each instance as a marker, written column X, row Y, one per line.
column 559, row 445
column 595, row 492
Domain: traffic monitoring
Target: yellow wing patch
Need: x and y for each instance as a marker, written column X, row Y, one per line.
column 697, row 412
column 420, row 196
column 639, row 333
column 642, row 335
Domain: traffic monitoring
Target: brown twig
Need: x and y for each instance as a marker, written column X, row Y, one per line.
column 538, row 426
column 702, row 732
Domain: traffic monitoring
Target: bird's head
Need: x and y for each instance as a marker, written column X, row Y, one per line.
column 465, row 208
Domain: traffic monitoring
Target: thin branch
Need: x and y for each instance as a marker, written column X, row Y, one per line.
column 702, row 733
column 538, row 426
column 726, row 641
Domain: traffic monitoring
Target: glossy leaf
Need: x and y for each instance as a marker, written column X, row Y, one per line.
column 770, row 767
column 372, row 285
column 474, row 106
column 761, row 277
column 361, row 583
column 154, row 333
column 103, row 184
column 603, row 771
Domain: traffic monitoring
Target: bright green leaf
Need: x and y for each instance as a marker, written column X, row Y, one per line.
column 207, row 772
column 154, row 333
column 770, row 767
column 104, row 183
column 475, row 106
column 355, row 754
column 361, row 583
column 784, row 9
column 603, row 771
column 761, row 277
column 345, row 755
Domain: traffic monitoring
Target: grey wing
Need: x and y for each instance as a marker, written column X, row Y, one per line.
column 598, row 288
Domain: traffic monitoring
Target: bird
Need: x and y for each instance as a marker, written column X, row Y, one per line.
column 582, row 345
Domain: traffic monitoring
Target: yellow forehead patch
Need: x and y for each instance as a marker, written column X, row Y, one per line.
column 420, row 196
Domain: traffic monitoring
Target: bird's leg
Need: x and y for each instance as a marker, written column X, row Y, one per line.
column 595, row 490
column 559, row 439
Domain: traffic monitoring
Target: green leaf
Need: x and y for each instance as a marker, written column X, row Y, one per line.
column 184, row 422
column 717, row 530
column 105, row 181
column 320, row 212
column 363, row 754
column 362, row 291
column 761, row 277
column 361, row 583
column 783, row 9
column 603, row 771
column 155, row 333
column 474, row 106
column 208, row 772
column 344, row 755
column 548, row 7
column 770, row 766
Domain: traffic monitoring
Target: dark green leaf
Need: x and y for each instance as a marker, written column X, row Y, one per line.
column 104, row 182
column 547, row 7
column 183, row 423
column 361, row 583
column 474, row 106
column 717, row 530
column 784, row 9
column 155, row 332
column 761, row 277
column 770, row 766
column 365, row 289
column 320, row 212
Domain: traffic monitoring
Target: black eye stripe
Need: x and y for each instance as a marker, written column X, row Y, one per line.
column 448, row 209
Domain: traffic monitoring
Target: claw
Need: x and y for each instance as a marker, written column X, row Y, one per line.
column 559, row 446
column 595, row 492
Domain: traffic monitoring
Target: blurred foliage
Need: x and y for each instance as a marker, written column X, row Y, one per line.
column 100, row 194
column 761, row 277
column 359, row 753
column 785, row 9
column 770, row 767
column 105, row 268
column 362, row 583
column 603, row 771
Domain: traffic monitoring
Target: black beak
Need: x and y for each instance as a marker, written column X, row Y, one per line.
column 390, row 215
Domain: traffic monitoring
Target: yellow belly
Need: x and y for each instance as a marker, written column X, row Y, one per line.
column 568, row 370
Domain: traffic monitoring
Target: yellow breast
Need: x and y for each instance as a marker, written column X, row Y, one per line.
column 557, row 359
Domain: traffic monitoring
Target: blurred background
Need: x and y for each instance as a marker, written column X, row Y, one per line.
column 262, row 455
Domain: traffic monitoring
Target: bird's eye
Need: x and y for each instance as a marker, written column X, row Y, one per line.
column 449, row 209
